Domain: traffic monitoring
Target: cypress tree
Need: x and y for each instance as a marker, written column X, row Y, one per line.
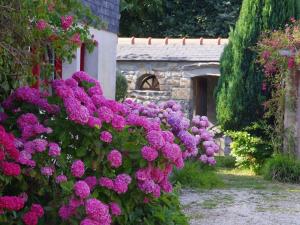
column 239, row 97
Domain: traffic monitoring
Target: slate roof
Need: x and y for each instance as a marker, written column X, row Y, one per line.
column 107, row 10
column 175, row 50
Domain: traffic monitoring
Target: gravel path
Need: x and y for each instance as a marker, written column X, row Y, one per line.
column 243, row 206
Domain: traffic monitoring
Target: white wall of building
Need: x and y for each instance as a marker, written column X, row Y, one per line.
column 101, row 63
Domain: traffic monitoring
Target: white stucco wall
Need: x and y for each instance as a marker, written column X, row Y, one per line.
column 101, row 63
column 69, row 68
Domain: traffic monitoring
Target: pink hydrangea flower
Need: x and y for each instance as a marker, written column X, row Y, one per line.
column 91, row 181
column 106, row 182
column 118, row 122
column 149, row 153
column 203, row 158
column 88, row 221
column 121, row 183
column 94, row 122
column 115, row 158
column 96, row 210
column 66, row 22
column 155, row 139
column 166, row 186
column 40, row 145
column 54, row 149
column 115, row 209
column 65, row 212
column 147, row 186
column 30, row 218
column 76, row 39
column 60, row 179
column 41, row 25
column 81, row 189
column 211, row 161
column 105, row 136
column 11, row 203
column 47, row 171
column 10, row 168
column 37, row 209
column 105, row 114
column 77, row 168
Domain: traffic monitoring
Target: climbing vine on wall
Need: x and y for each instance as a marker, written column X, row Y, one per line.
column 33, row 31
column 279, row 55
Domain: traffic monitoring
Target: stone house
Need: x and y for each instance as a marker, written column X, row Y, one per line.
column 101, row 63
column 185, row 70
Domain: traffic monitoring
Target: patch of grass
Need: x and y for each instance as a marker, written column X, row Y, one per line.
column 215, row 201
column 193, row 175
column 209, row 204
column 242, row 178
column 282, row 168
column 226, row 162
column 196, row 216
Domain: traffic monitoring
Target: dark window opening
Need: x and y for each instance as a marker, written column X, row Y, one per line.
column 149, row 83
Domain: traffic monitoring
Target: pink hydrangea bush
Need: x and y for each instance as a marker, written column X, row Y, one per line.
column 90, row 159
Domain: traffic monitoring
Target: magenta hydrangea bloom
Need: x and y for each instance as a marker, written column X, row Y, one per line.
column 81, row 189
column 118, row 122
column 88, row 221
column 105, row 136
column 209, row 151
column 149, row 153
column 60, row 179
column 65, row 212
column 94, row 122
column 155, row 139
column 147, row 186
column 142, row 174
column 41, row 25
column 47, row 171
column 121, row 183
column 171, row 152
column 91, row 181
column 77, row 168
column 211, row 161
column 37, row 209
column 11, row 203
column 30, row 218
column 115, row 158
column 156, row 192
column 54, row 149
column 96, row 210
column 106, row 182
column 105, row 114
column 166, row 186
column 115, row 209
column 66, row 22
column 10, row 168
column 203, row 158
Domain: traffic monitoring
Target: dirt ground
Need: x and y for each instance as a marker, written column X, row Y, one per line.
column 245, row 200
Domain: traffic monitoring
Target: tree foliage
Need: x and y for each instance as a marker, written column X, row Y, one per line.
column 239, row 96
column 195, row 18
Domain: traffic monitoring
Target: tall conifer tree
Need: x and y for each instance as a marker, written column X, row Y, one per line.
column 239, row 98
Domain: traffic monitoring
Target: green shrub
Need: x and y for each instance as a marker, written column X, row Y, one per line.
column 161, row 211
column 238, row 95
column 121, row 87
column 195, row 175
column 250, row 151
column 283, row 169
column 227, row 161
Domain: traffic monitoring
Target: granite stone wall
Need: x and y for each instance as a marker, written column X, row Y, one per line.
column 175, row 79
